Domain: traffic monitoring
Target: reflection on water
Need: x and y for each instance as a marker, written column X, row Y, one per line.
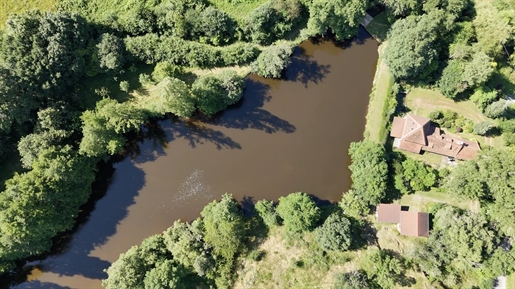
column 284, row 136
column 193, row 188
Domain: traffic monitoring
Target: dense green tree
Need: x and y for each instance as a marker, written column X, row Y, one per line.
column 298, row 212
column 166, row 275
column 335, row 234
column 38, row 204
column 166, row 69
column 385, row 269
column 483, row 127
column 110, row 53
column 185, row 242
column 415, row 176
column 354, row 205
column 477, row 70
column 103, row 128
column 213, row 93
column 174, row 96
column 271, row 20
column 128, row 272
column 494, row 28
column 412, row 52
column 42, row 57
column 483, row 96
column 272, row 61
column 451, row 81
column 402, row 7
column 31, row 145
column 266, row 210
column 340, row 17
column 496, row 109
column 132, row 267
column 369, row 170
column 224, row 231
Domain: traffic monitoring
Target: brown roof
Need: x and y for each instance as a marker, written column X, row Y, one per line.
column 410, row 146
column 388, row 213
column 397, row 127
column 414, row 224
column 414, row 133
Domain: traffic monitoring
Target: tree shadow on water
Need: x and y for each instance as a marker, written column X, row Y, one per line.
column 306, row 70
column 249, row 112
column 41, row 285
column 153, row 139
column 97, row 222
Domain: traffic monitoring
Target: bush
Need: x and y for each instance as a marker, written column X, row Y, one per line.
column 272, row 61
column 266, row 210
column 335, row 233
column 214, row 93
column 496, row 109
column 299, row 212
column 165, row 69
column 483, row 96
column 124, row 86
column 145, row 79
column 483, row 128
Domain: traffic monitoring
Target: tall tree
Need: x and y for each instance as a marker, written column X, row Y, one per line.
column 340, row 17
column 299, row 212
column 369, row 170
column 412, row 51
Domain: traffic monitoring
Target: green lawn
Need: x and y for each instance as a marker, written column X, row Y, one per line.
column 424, row 101
column 12, row 6
column 379, row 27
column 377, row 122
column 510, row 281
column 237, row 9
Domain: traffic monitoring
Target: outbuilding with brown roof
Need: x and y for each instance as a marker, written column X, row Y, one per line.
column 414, row 224
column 388, row 213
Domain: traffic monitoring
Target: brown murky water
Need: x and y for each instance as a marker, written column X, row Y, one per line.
column 285, row 136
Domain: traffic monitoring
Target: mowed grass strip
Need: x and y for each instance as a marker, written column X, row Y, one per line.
column 376, row 119
column 18, row 6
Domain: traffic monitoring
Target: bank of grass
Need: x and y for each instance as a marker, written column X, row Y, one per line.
column 237, row 9
column 302, row 264
column 380, row 102
column 379, row 27
column 421, row 101
column 13, row 7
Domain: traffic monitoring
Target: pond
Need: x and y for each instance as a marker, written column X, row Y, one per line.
column 284, row 136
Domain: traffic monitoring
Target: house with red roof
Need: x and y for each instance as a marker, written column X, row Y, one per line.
column 415, row 134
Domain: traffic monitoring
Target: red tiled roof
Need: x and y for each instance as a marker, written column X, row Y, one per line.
column 397, row 127
column 417, row 134
column 388, row 213
column 414, row 224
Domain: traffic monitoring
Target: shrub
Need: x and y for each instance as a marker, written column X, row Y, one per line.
column 496, row 109
column 272, row 61
column 213, row 93
column 124, row 86
column 266, row 210
column 165, row 69
column 299, row 212
column 335, row 233
column 483, row 128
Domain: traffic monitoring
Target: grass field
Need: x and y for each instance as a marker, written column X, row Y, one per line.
column 16, row 6
column 510, row 281
column 237, row 10
column 376, row 119
column 423, row 101
column 379, row 27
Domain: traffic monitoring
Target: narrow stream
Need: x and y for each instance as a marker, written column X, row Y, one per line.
column 285, row 136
